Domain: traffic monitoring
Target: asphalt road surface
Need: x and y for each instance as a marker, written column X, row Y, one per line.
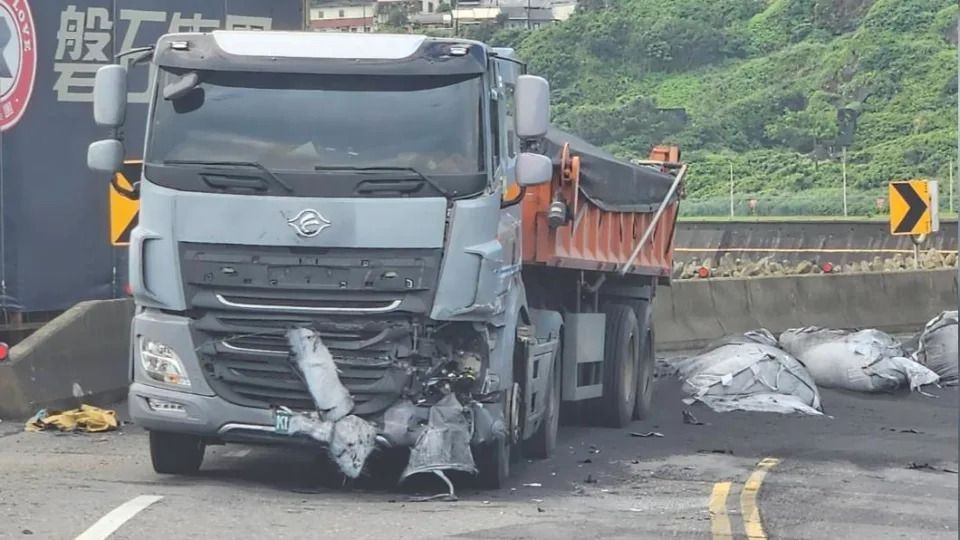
column 882, row 467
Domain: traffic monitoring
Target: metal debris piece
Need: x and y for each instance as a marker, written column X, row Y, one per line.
column 689, row 418
column 533, row 484
column 450, row 496
column 914, row 466
column 647, row 434
column 445, row 442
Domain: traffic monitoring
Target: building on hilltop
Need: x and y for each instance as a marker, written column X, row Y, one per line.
column 343, row 16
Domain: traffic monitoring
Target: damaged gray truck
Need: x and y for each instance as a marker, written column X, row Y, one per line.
column 360, row 241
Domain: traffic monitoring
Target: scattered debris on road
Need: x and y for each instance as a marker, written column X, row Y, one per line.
column 937, row 347
column 689, row 418
column 647, row 434
column 913, row 466
column 756, row 371
column 87, row 418
column 913, row 431
column 864, row 361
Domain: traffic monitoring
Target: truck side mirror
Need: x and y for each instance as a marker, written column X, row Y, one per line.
column 105, row 156
column 533, row 169
column 532, row 100
column 110, row 96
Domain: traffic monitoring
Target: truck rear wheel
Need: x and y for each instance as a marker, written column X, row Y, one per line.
column 647, row 368
column 620, row 362
column 173, row 453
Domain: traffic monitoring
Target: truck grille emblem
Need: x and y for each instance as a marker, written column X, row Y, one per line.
column 308, row 223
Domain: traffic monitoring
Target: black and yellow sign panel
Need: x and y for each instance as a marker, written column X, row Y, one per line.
column 124, row 210
column 913, row 207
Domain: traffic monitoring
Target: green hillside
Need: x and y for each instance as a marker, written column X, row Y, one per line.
column 760, row 82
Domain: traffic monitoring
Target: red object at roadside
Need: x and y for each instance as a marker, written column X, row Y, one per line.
column 827, row 268
column 703, row 272
column 4, row 351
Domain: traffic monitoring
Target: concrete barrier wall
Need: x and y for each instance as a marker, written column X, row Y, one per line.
column 839, row 242
column 692, row 313
column 88, row 346
column 86, row 349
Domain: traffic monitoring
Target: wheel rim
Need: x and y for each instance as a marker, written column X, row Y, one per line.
column 553, row 413
column 629, row 382
column 649, row 361
column 515, row 414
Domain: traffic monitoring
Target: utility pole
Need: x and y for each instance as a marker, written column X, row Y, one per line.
column 843, row 159
column 951, row 185
column 731, row 189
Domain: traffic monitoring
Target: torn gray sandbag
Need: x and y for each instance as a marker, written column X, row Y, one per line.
column 319, row 371
column 749, row 376
column 445, row 443
column 760, row 335
column 864, row 361
column 937, row 348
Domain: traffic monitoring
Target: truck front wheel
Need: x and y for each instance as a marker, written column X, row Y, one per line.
column 173, row 453
column 620, row 365
column 493, row 459
column 542, row 443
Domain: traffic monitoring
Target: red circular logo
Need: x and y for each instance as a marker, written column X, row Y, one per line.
column 18, row 60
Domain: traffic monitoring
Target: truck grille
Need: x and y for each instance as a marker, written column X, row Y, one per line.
column 255, row 369
column 243, row 300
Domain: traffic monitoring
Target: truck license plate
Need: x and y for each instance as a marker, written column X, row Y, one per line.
column 282, row 423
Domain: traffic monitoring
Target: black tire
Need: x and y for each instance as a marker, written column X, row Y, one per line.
column 645, row 378
column 493, row 459
column 493, row 464
column 173, row 453
column 542, row 443
column 620, row 358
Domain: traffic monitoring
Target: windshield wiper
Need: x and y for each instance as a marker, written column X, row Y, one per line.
column 381, row 169
column 266, row 172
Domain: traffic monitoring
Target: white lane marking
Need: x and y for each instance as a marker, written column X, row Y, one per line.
column 108, row 524
column 238, row 454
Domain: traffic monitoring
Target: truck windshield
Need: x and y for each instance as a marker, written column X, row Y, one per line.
column 306, row 122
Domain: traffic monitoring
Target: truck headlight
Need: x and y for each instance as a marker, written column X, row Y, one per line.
column 162, row 363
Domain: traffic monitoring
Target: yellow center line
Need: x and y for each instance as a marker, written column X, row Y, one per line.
column 748, row 499
column 719, row 520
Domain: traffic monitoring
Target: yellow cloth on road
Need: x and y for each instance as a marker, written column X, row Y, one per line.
column 87, row 418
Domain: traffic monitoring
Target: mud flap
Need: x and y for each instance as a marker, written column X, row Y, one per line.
column 583, row 356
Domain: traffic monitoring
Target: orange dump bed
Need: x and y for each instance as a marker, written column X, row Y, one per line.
column 593, row 238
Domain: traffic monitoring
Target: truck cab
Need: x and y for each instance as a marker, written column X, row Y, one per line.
column 358, row 186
